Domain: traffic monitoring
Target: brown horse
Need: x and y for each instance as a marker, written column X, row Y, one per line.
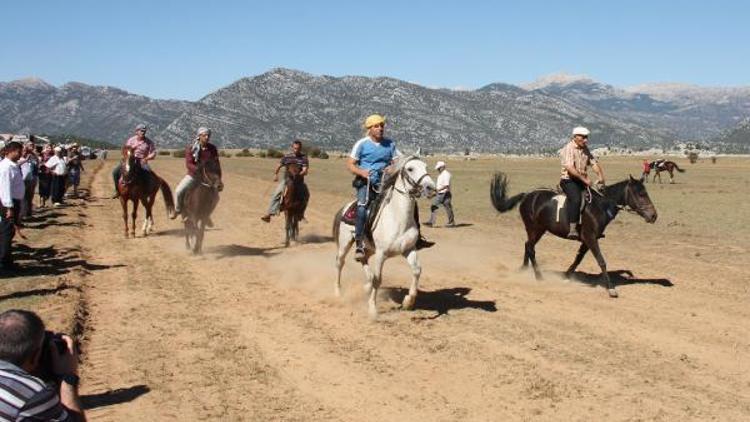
column 200, row 202
column 293, row 201
column 669, row 166
column 540, row 213
column 138, row 185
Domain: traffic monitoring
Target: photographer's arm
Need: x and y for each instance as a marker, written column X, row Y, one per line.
column 67, row 364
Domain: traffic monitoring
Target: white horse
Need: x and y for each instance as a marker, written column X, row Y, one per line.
column 394, row 230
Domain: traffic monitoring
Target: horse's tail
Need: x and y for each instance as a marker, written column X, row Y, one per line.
column 336, row 223
column 166, row 192
column 498, row 193
column 676, row 167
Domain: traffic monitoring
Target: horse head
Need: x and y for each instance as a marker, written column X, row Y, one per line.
column 638, row 200
column 130, row 165
column 414, row 177
column 210, row 174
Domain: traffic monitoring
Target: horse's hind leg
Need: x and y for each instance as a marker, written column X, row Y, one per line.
column 416, row 271
column 134, row 216
column 530, row 252
column 579, row 257
column 345, row 242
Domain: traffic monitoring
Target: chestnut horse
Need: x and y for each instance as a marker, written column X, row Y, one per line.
column 668, row 166
column 138, row 185
column 540, row 214
column 293, row 201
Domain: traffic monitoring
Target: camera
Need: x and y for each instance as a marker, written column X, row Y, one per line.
column 52, row 343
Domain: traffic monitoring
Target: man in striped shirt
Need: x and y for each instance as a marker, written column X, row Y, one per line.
column 24, row 397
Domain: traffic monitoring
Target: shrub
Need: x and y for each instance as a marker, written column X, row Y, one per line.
column 178, row 153
column 223, row 153
column 164, row 152
column 244, row 153
column 693, row 157
column 262, row 154
column 323, row 155
column 274, row 153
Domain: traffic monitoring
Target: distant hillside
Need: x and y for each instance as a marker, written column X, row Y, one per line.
column 273, row 108
column 736, row 140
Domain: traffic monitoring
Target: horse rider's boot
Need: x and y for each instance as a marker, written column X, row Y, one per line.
column 266, row 218
column 573, row 233
column 359, row 252
column 209, row 222
column 423, row 243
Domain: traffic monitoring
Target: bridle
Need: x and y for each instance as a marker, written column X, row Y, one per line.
column 205, row 178
column 415, row 186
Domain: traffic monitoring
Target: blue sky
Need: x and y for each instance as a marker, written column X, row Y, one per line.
column 186, row 49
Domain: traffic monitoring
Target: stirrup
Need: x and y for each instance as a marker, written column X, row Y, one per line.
column 423, row 243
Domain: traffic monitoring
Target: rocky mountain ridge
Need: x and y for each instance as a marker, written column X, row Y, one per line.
column 275, row 107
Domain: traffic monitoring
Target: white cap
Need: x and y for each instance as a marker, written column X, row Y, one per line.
column 58, row 149
column 439, row 165
column 580, row 130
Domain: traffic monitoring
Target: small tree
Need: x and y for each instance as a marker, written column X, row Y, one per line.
column 692, row 157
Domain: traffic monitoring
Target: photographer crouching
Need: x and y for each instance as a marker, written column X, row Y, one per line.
column 38, row 371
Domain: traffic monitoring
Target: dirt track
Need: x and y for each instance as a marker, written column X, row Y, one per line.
column 251, row 331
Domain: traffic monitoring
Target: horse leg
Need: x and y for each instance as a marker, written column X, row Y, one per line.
column 416, row 271
column 345, row 242
column 593, row 244
column 377, row 274
column 134, row 216
column 530, row 252
column 145, row 227
column 124, row 203
column 200, row 230
column 671, row 176
column 579, row 257
column 288, row 228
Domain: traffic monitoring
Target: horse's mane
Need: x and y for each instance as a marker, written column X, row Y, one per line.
column 398, row 165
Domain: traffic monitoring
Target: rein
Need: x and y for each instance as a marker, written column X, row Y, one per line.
column 415, row 185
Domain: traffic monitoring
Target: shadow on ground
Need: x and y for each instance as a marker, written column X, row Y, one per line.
column 225, row 251
column 51, row 261
column 111, row 397
column 618, row 277
column 443, row 300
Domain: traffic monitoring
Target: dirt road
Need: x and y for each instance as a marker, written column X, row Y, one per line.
column 251, row 331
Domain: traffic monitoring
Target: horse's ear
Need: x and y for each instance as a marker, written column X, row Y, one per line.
column 631, row 178
column 418, row 152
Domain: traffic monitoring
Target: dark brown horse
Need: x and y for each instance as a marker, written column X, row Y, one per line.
column 293, row 201
column 200, row 202
column 138, row 185
column 669, row 166
column 540, row 213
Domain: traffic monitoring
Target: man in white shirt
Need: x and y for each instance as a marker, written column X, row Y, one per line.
column 12, row 191
column 444, row 195
column 58, row 165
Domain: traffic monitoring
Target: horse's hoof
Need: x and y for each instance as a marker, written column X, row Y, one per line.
column 337, row 291
column 408, row 303
column 612, row 293
column 373, row 314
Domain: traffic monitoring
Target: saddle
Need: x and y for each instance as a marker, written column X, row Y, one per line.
column 561, row 198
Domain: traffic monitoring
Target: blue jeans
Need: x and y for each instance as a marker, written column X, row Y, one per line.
column 362, row 202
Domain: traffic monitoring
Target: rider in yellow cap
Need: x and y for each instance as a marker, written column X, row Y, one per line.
column 368, row 161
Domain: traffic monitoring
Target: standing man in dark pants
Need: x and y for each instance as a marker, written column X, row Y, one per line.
column 444, row 195
column 12, row 191
column 576, row 158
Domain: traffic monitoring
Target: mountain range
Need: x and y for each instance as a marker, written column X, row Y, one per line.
column 278, row 106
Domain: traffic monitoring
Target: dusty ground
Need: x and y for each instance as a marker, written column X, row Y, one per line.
column 250, row 330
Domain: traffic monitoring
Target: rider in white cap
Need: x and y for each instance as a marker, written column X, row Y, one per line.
column 576, row 158
column 201, row 150
column 444, row 195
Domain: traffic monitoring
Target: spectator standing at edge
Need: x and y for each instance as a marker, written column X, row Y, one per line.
column 59, row 167
column 29, row 163
column 75, row 168
column 12, row 191
column 444, row 195
column 24, row 397
column 45, row 176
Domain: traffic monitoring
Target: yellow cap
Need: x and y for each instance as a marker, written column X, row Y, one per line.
column 373, row 120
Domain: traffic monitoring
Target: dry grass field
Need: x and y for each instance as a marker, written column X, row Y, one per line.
column 251, row 330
